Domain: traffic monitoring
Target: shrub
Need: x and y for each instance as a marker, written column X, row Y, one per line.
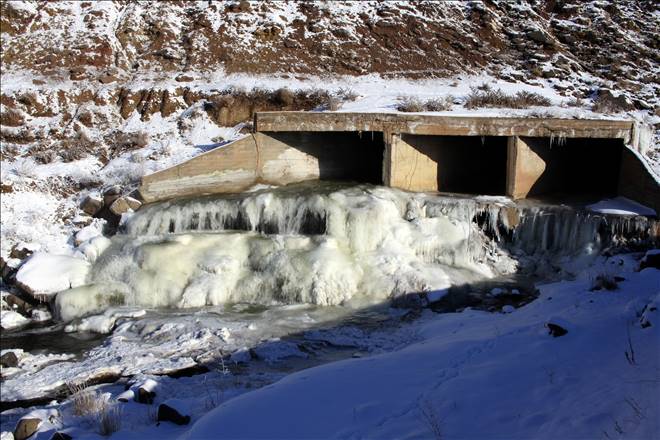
column 604, row 281
column 346, row 94
column 487, row 97
column 25, row 167
column 439, row 105
column 575, row 102
column 77, row 148
column 109, row 419
column 409, row 104
column 84, row 400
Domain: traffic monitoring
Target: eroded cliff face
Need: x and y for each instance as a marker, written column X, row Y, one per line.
column 420, row 38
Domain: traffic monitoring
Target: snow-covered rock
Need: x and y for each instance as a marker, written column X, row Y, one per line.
column 47, row 274
column 11, row 320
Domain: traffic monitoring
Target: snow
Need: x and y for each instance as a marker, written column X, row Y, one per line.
column 105, row 322
column 47, row 274
column 621, row 206
column 11, row 320
column 483, row 376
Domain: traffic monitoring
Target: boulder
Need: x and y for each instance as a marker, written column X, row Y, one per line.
column 183, row 78
column 651, row 259
column 9, row 360
column 91, row 205
column 146, row 392
column 26, row 427
column 111, row 194
column 45, row 274
column 124, row 204
column 167, row 413
column 556, row 330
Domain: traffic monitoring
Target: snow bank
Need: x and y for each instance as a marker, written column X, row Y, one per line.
column 47, row 274
column 478, row 375
column 621, row 206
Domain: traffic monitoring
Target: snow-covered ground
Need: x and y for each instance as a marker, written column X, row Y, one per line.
column 469, row 374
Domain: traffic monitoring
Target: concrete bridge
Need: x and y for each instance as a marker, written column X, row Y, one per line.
column 517, row 157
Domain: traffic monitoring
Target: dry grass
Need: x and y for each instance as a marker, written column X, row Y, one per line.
column 604, row 281
column 89, row 403
column 410, row 104
column 109, row 419
column 485, row 96
column 84, row 400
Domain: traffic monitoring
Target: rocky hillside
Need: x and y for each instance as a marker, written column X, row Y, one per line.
column 99, row 92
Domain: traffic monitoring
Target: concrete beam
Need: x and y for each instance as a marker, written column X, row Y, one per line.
column 443, row 125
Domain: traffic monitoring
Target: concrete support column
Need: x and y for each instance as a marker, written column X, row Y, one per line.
column 524, row 168
column 411, row 169
column 388, row 157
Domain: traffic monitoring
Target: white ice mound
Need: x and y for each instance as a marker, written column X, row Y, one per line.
column 47, row 274
column 275, row 247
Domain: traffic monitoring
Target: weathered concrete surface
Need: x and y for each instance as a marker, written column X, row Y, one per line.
column 524, row 168
column 230, row 168
column 442, row 125
column 636, row 182
column 410, row 168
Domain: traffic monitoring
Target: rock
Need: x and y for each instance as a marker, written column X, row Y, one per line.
column 241, row 6
column 46, row 274
column 146, row 392
column 18, row 304
column 61, row 436
column 23, row 250
column 124, row 204
column 508, row 309
column 77, row 74
column 183, row 78
column 10, row 320
column 539, row 36
column 9, row 360
column 26, row 427
column 168, row 414
column 144, row 396
column 91, row 205
column 107, row 78
column 556, row 330
column 126, row 396
column 651, row 259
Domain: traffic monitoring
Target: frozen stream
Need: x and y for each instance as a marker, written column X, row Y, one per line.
column 261, row 284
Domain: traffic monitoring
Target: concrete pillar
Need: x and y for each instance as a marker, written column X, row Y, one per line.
column 410, row 168
column 524, row 168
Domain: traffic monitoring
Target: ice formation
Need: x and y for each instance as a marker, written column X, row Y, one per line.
column 325, row 245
